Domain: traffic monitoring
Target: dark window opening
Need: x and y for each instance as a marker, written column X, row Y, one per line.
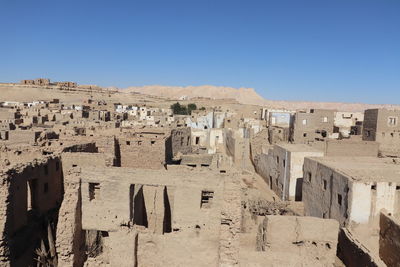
column 128, row 143
column 304, row 134
column 167, row 227
column 94, row 191
column 45, row 187
column 206, row 199
column 339, row 199
column 309, row 176
column 197, row 140
column 139, row 209
column 222, row 171
column 152, row 142
column 373, row 187
column 32, row 194
column 325, row 184
column 270, row 182
column 104, row 233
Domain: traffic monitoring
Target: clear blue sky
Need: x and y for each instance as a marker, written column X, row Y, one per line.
column 317, row 50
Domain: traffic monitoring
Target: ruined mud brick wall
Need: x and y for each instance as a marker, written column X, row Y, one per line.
column 145, row 151
column 278, row 135
column 83, row 159
column 181, row 141
column 109, row 146
column 353, row 254
column 239, row 149
column 314, row 237
column 351, row 148
column 120, row 186
column 23, row 136
column 231, row 222
column 33, row 187
column 389, row 239
column 70, row 237
column 67, row 84
column 174, row 218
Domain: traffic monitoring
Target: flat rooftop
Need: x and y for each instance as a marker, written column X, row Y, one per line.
column 299, row 148
column 368, row 169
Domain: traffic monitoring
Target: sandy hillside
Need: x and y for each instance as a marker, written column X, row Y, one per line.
column 243, row 95
column 246, row 96
column 163, row 95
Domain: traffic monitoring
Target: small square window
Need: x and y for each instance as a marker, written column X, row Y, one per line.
column 94, row 191
column 392, row 121
column 206, row 199
column 128, row 143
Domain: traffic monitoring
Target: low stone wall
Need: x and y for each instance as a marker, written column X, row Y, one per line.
column 353, row 253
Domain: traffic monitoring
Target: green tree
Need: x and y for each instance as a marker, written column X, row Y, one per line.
column 179, row 109
column 191, row 107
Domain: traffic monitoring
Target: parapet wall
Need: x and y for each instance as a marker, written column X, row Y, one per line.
column 353, row 253
column 389, row 240
column 334, row 148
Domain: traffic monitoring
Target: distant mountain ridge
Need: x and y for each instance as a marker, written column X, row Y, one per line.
column 245, row 96
column 242, row 95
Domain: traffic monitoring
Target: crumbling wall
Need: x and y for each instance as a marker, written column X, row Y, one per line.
column 5, row 214
column 144, row 152
column 30, row 193
column 389, row 240
column 231, row 216
column 71, row 160
column 312, row 237
column 238, row 148
column 23, row 136
column 181, row 141
column 109, row 146
column 70, row 236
